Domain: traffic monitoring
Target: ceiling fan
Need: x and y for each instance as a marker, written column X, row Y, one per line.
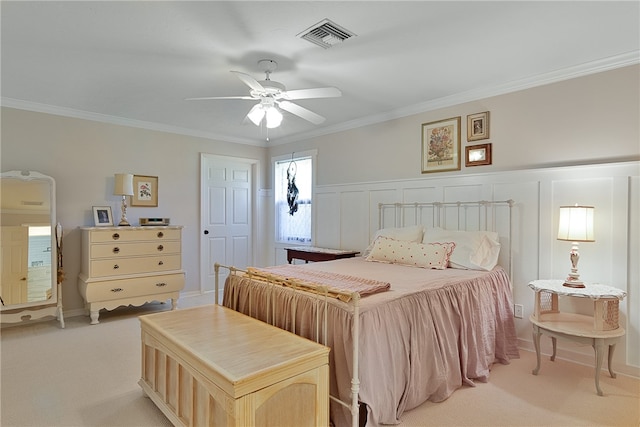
column 272, row 94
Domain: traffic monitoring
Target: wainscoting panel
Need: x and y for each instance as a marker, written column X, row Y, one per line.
column 347, row 217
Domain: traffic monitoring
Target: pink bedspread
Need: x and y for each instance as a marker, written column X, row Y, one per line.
column 340, row 286
column 432, row 332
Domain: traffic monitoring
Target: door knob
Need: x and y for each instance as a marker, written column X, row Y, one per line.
column 206, row 231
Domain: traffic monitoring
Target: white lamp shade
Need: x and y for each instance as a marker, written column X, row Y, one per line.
column 256, row 114
column 576, row 223
column 123, row 184
column 274, row 118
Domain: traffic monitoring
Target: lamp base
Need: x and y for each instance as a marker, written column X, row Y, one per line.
column 573, row 284
column 124, row 223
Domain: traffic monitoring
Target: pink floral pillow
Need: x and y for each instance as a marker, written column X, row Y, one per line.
column 425, row 255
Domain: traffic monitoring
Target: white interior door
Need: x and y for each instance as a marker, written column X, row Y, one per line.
column 227, row 209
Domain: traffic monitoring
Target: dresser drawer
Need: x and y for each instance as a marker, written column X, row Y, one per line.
column 124, row 249
column 127, row 288
column 101, row 236
column 123, row 266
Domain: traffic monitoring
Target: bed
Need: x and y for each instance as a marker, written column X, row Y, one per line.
column 427, row 333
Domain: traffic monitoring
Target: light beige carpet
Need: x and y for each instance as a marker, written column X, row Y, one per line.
column 87, row 375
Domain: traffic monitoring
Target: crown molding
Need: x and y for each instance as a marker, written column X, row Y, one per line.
column 122, row 121
column 606, row 64
column 594, row 67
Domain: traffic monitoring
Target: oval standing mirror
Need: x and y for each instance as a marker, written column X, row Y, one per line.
column 28, row 249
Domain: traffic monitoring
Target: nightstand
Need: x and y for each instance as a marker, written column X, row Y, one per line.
column 601, row 330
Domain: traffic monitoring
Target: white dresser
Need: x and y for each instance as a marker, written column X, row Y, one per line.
column 130, row 266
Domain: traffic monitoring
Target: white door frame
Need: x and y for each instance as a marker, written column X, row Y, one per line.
column 255, row 173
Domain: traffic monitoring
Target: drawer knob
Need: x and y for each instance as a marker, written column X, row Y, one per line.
column 116, row 250
column 160, row 234
column 161, row 284
column 117, row 290
column 115, row 236
column 160, row 262
column 116, row 266
column 160, row 248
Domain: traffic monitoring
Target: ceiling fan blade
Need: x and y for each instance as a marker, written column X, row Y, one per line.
column 206, row 98
column 249, row 81
column 320, row 92
column 308, row 115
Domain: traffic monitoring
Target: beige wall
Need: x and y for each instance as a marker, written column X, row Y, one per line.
column 82, row 156
column 590, row 119
column 585, row 120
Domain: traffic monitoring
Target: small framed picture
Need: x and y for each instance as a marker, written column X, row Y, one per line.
column 441, row 145
column 477, row 155
column 102, row 216
column 478, row 126
column 145, row 191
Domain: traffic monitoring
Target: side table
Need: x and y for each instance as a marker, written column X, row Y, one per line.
column 600, row 330
column 310, row 253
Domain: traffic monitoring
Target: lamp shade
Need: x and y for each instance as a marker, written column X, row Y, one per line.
column 256, row 114
column 274, row 117
column 123, row 184
column 576, row 223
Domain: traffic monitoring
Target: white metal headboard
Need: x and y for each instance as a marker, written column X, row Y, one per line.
column 479, row 215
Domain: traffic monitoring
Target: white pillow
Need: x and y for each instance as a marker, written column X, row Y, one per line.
column 475, row 250
column 412, row 233
column 429, row 255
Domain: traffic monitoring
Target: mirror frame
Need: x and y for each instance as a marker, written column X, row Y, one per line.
column 52, row 306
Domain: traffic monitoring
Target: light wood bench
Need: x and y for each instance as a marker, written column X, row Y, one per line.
column 210, row 365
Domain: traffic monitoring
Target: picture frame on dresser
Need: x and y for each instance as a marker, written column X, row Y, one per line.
column 145, row 191
column 102, row 216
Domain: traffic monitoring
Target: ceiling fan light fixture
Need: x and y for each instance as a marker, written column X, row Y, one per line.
column 256, row 114
column 274, row 117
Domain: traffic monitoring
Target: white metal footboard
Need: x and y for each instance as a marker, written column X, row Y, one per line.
column 321, row 297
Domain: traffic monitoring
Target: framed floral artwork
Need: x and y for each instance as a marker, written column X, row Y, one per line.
column 145, row 191
column 102, row 216
column 441, row 145
column 478, row 126
column 477, row 155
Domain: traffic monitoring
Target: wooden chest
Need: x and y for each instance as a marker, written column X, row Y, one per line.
column 212, row 366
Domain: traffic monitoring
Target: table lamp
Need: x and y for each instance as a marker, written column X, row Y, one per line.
column 575, row 225
column 123, row 187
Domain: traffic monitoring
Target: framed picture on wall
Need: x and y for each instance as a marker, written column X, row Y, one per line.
column 145, row 191
column 477, row 155
column 478, row 126
column 441, row 145
column 102, row 216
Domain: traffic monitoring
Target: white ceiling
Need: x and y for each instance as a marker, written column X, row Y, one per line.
column 135, row 62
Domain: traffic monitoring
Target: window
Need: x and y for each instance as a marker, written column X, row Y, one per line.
column 293, row 220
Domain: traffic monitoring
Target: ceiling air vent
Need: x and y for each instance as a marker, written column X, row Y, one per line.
column 325, row 34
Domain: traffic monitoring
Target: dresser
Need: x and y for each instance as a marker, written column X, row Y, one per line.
column 212, row 366
column 130, row 266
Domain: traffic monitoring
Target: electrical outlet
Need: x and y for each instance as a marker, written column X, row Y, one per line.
column 518, row 311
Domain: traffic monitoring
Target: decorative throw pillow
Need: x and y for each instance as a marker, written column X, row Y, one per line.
column 412, row 233
column 475, row 250
column 429, row 255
